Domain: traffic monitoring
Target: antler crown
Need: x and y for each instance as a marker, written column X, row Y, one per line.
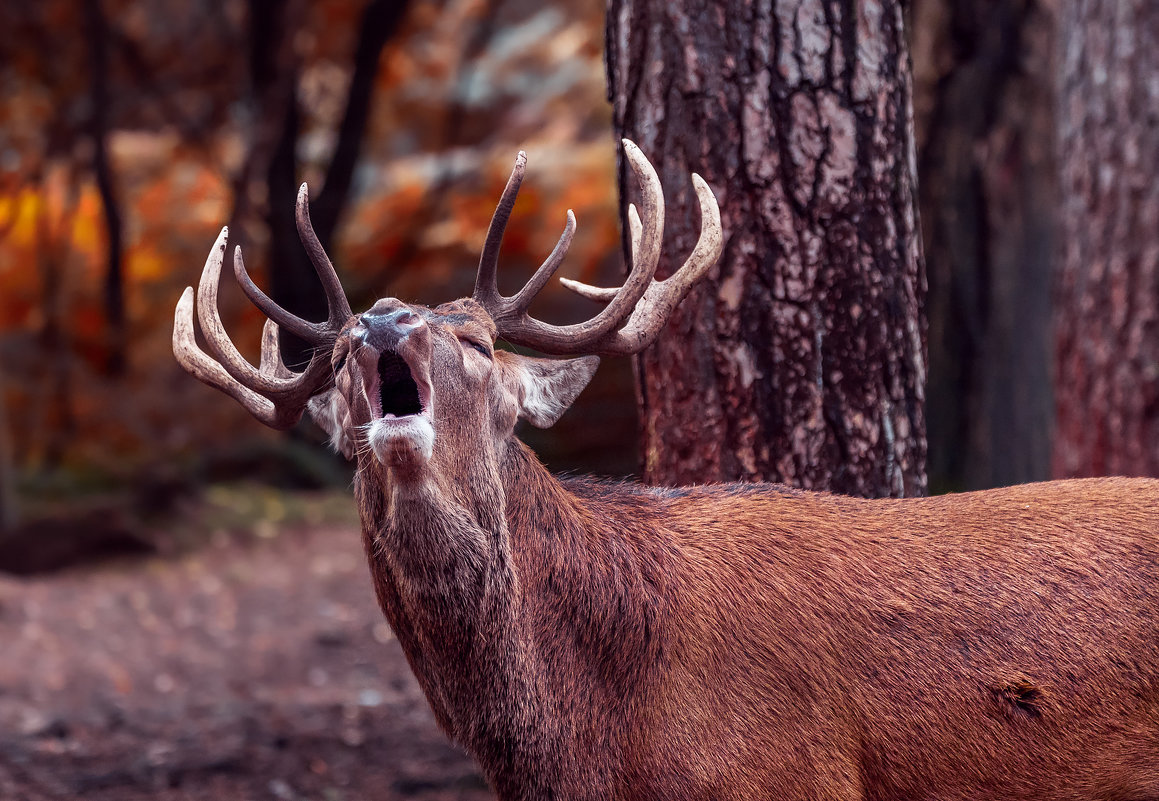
column 272, row 393
column 632, row 319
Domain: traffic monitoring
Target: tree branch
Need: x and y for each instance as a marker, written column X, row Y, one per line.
column 98, row 132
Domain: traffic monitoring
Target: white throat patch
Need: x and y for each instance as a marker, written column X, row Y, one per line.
column 404, row 440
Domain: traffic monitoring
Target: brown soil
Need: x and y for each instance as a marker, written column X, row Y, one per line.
column 250, row 668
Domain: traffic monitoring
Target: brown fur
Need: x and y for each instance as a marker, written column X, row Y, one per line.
column 590, row 640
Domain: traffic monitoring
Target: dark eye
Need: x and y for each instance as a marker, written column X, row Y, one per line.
column 479, row 346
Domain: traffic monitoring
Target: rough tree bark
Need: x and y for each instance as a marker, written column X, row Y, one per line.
column 984, row 79
column 801, row 358
column 1107, row 392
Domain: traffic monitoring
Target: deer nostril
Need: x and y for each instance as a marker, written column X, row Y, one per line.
column 396, row 318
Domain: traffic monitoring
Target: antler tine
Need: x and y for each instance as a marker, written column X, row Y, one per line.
column 271, row 363
column 522, row 299
column 662, row 297
column 646, row 243
column 338, row 308
column 510, row 314
column 486, row 286
column 310, row 332
column 604, row 294
column 336, row 300
column 636, row 229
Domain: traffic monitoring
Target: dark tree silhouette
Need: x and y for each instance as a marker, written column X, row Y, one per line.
column 984, row 83
column 293, row 284
column 98, row 42
column 1107, row 385
column 801, row 359
column 8, row 510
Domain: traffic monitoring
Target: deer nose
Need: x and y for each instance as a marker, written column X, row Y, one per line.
column 388, row 322
column 397, row 318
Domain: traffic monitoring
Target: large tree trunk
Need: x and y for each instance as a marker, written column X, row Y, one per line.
column 985, row 128
column 801, row 358
column 1108, row 301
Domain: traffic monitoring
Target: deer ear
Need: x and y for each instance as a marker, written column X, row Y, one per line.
column 547, row 387
column 329, row 413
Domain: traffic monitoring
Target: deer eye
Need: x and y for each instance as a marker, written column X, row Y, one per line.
column 479, row 346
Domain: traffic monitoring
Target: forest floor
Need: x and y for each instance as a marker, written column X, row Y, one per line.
column 255, row 665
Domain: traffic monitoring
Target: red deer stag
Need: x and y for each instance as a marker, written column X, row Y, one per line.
column 594, row 640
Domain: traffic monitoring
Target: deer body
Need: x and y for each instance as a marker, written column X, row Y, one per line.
column 751, row 641
column 586, row 640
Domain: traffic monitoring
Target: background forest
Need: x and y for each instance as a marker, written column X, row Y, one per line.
column 124, row 151
column 131, row 130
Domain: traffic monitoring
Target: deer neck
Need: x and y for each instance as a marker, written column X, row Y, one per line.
column 440, row 558
column 473, row 596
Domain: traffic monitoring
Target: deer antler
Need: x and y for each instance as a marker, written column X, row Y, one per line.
column 636, row 311
column 271, row 392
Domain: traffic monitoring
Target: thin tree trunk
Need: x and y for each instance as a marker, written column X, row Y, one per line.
column 380, row 20
column 9, row 513
column 1108, row 300
column 293, row 283
column 801, row 358
column 9, row 509
column 56, row 421
column 273, row 78
column 983, row 93
column 97, row 32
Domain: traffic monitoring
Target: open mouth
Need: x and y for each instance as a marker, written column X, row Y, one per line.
column 399, row 393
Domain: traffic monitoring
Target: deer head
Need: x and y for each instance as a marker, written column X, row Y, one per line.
column 421, row 388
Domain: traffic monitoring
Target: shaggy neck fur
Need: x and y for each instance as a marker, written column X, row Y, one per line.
column 504, row 633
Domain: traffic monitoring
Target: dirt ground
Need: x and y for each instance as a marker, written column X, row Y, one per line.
column 251, row 667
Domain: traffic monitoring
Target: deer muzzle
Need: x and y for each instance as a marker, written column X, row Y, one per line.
column 391, row 353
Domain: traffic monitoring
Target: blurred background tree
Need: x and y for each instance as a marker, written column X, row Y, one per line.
column 9, row 513
column 983, row 108
column 1108, row 255
column 122, row 155
column 131, row 129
